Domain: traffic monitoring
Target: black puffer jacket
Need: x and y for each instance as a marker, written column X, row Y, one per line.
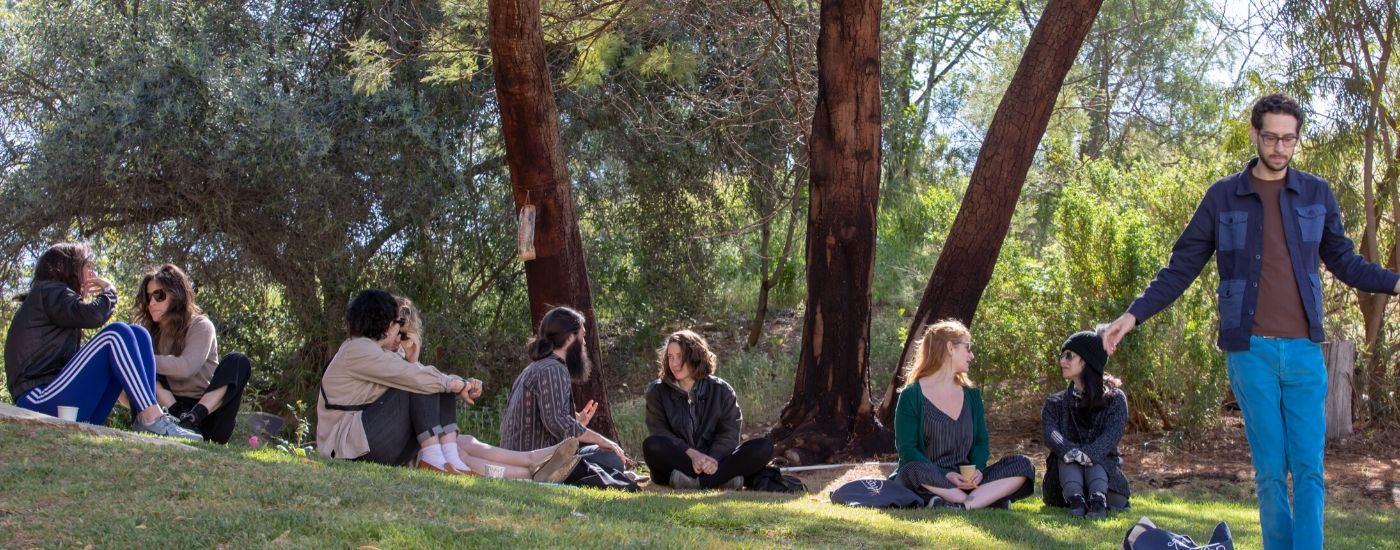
column 707, row 419
column 46, row 332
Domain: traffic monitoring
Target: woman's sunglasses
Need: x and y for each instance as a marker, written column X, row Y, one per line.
column 159, row 296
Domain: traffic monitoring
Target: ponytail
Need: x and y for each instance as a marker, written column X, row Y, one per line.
column 555, row 328
column 539, row 348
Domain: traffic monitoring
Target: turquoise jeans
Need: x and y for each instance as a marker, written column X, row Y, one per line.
column 1281, row 385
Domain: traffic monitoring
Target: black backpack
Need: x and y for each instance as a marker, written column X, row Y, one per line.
column 772, row 480
column 876, row 492
column 1146, row 536
column 592, row 474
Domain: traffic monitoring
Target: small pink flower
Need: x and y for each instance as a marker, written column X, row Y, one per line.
column 253, row 442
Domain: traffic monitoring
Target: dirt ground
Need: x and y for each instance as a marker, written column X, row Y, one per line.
column 1362, row 470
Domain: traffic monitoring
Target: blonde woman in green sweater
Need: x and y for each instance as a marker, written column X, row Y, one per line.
column 941, row 432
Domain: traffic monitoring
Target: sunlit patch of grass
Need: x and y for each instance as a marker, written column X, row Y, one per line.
column 64, row 488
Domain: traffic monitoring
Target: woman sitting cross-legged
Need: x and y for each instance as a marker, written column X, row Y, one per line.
column 694, row 422
column 196, row 387
column 1082, row 425
column 940, row 428
column 46, row 368
column 378, row 405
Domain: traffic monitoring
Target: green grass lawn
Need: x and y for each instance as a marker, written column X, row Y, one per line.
column 62, row 488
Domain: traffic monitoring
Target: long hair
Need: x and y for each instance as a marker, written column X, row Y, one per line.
column 64, row 262
column 555, row 328
column 695, row 351
column 933, row 351
column 1098, row 389
column 175, row 324
column 412, row 318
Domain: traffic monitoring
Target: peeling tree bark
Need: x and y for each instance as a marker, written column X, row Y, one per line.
column 830, row 410
column 558, row 276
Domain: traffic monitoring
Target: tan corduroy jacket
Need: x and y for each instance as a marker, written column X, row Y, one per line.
column 360, row 372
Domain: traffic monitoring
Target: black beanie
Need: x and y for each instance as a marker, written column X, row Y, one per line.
column 1087, row 345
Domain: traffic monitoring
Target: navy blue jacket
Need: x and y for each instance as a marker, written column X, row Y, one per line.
column 1229, row 222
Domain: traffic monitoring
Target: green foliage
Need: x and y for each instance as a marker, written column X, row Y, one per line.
column 1112, row 230
column 595, row 57
column 672, row 62
column 301, row 443
column 372, row 65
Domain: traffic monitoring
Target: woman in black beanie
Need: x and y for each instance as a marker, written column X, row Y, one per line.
column 1082, row 425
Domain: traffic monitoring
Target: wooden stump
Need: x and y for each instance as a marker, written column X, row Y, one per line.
column 1341, row 362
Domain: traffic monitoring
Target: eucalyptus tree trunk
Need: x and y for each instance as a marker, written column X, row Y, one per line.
column 970, row 253
column 830, row 409
column 558, row 276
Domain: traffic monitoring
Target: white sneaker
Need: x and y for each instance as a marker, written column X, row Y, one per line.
column 167, row 426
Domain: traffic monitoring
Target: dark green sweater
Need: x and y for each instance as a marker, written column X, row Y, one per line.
column 909, row 428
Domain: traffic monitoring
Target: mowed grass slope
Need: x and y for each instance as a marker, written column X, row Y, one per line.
column 61, row 489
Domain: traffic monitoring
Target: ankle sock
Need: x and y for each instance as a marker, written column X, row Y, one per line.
column 198, row 413
column 432, row 454
column 454, row 457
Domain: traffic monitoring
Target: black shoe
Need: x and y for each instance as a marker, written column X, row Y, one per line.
column 188, row 422
column 1076, row 506
column 1098, row 506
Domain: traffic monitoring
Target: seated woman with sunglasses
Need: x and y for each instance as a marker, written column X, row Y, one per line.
column 941, row 432
column 192, row 383
column 1082, row 425
column 378, row 403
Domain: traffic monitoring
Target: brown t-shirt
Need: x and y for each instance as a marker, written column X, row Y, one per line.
column 1280, row 310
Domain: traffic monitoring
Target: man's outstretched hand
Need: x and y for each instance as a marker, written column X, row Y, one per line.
column 1116, row 330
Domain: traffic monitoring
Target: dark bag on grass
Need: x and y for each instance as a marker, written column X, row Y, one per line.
column 876, row 492
column 772, row 480
column 1146, row 536
column 591, row 474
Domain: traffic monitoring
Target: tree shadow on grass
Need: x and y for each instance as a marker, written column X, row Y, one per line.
column 237, row 498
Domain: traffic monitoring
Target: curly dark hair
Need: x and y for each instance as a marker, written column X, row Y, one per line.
column 1276, row 103
column 695, row 351
column 370, row 313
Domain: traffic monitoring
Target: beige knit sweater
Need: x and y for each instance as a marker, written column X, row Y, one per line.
column 189, row 372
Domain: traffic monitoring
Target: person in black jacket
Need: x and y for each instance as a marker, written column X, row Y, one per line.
column 44, row 366
column 1082, row 425
column 695, row 424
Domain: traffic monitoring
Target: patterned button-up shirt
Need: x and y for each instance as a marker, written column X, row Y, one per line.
column 541, row 408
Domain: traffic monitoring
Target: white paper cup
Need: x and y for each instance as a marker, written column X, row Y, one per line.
column 496, row 471
column 68, row 413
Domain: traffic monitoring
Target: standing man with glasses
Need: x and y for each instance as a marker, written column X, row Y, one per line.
column 1269, row 227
